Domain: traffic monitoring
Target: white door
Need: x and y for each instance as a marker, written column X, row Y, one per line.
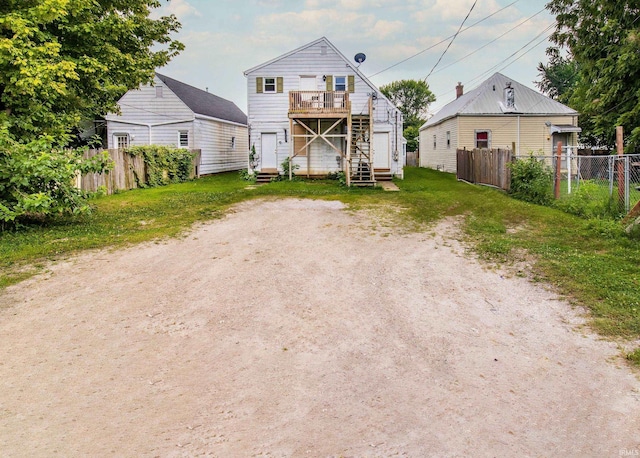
column 268, row 151
column 381, row 148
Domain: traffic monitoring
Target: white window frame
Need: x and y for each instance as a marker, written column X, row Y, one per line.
column 233, row 143
column 475, row 138
column 335, row 83
column 448, row 139
column 265, row 84
column 116, row 140
column 180, row 142
column 434, row 141
column 159, row 91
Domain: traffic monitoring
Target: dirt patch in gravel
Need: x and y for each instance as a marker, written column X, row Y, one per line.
column 296, row 328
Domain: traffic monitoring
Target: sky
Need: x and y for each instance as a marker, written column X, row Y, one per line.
column 402, row 39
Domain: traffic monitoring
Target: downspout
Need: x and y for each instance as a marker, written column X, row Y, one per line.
column 518, row 144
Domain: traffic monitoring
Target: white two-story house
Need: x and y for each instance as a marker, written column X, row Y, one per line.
column 313, row 106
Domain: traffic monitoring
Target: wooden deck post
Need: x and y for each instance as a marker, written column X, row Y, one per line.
column 558, row 170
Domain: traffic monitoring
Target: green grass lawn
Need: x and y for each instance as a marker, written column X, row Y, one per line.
column 592, row 263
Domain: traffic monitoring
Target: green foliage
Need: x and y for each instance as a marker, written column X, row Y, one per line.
column 531, row 181
column 37, row 180
column 338, row 176
column 288, row 166
column 412, row 97
column 634, row 356
column 164, row 164
column 247, row 176
column 590, row 200
column 412, row 134
column 64, row 60
column 603, row 37
column 253, row 158
column 559, row 77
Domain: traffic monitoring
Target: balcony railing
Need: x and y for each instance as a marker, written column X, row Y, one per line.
column 319, row 102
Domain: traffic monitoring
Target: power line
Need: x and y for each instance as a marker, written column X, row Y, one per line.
column 442, row 41
column 451, row 42
column 496, row 66
column 492, row 41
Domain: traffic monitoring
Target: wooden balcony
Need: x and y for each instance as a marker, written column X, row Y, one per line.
column 319, row 104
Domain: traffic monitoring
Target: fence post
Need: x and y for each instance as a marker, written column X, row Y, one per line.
column 556, row 190
column 620, row 168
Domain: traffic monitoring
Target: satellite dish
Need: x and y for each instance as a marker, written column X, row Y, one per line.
column 360, row 57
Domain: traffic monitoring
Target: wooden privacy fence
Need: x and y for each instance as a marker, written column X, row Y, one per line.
column 126, row 173
column 484, row 166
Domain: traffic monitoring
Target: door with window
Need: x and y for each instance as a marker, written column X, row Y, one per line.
column 268, row 151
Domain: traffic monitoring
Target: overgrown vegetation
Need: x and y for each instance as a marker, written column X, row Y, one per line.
column 164, row 164
column 531, row 181
column 569, row 252
column 37, row 180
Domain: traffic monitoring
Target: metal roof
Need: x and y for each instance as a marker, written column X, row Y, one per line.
column 203, row 102
column 488, row 99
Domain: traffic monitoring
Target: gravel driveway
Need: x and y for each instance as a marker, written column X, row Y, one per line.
column 297, row 328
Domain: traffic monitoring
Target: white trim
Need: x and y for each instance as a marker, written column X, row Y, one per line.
column 147, row 124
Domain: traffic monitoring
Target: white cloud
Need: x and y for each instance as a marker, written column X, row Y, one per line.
column 181, row 9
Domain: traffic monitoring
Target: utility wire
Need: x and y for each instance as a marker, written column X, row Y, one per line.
column 442, row 41
column 493, row 68
column 451, row 42
column 492, row 41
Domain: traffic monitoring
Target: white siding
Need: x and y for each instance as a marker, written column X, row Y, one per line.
column 214, row 139
column 149, row 119
column 268, row 112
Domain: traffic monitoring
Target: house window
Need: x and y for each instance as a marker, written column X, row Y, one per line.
column 121, row 141
column 183, row 139
column 233, row 142
column 483, row 139
column 448, row 139
column 269, row 85
column 340, row 83
column 159, row 92
column 434, row 142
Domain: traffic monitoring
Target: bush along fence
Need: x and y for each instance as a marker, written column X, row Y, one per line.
column 141, row 166
column 612, row 180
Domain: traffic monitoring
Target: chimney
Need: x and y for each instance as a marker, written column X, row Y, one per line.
column 459, row 89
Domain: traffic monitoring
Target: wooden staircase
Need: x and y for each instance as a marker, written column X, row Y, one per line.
column 362, row 172
column 383, row 174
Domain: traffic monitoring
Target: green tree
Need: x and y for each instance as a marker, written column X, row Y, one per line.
column 64, row 60
column 413, row 98
column 558, row 77
column 603, row 36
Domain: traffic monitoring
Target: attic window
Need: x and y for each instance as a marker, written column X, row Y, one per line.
column 233, row 142
column 159, row 92
column 323, row 50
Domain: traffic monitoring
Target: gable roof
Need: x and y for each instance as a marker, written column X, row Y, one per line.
column 323, row 40
column 203, row 102
column 488, row 99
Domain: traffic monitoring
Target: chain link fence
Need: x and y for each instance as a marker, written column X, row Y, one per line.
column 613, row 176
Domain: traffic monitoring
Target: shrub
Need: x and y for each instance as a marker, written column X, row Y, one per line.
column 531, row 181
column 164, row 164
column 37, row 180
column 590, row 201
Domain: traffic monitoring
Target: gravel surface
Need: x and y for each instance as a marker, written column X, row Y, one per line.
column 299, row 328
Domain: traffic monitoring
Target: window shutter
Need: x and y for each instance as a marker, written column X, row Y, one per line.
column 329, row 82
column 352, row 84
column 279, row 84
column 259, row 85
